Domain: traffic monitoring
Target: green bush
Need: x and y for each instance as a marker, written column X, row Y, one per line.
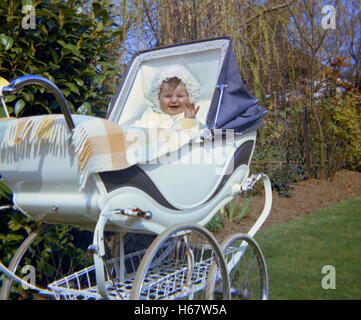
column 72, row 45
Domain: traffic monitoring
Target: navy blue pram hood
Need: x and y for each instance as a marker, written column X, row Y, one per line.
column 239, row 109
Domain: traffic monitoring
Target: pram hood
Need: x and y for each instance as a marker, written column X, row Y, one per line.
column 238, row 109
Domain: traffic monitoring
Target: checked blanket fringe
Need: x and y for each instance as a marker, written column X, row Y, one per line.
column 99, row 144
column 23, row 137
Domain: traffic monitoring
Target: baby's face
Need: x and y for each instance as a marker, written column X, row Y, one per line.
column 172, row 101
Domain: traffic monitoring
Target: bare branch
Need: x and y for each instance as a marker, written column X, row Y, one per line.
column 297, row 25
column 269, row 10
column 150, row 20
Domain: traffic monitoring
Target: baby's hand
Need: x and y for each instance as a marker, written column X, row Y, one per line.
column 190, row 111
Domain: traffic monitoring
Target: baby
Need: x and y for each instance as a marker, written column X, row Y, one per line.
column 174, row 99
column 174, row 93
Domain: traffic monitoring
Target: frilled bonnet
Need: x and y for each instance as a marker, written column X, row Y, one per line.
column 166, row 73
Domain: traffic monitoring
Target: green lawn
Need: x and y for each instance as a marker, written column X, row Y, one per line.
column 296, row 252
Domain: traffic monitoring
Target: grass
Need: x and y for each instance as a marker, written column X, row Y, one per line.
column 296, row 252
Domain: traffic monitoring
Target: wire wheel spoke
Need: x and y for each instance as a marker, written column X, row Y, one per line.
column 177, row 265
column 50, row 253
column 246, row 267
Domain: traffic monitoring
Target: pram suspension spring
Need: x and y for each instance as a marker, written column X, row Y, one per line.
column 251, row 181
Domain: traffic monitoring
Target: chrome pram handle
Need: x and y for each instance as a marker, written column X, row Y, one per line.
column 22, row 81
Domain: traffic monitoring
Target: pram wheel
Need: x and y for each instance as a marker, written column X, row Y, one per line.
column 246, row 267
column 15, row 261
column 177, row 263
column 47, row 254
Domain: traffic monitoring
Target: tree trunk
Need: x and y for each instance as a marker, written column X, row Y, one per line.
column 307, row 143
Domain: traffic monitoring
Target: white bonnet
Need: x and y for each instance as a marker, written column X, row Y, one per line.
column 192, row 85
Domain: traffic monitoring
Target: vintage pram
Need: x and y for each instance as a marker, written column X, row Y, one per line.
column 172, row 199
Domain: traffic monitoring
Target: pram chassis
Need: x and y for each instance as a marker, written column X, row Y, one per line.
column 60, row 289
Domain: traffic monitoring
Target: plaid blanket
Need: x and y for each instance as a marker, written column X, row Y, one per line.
column 99, row 144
